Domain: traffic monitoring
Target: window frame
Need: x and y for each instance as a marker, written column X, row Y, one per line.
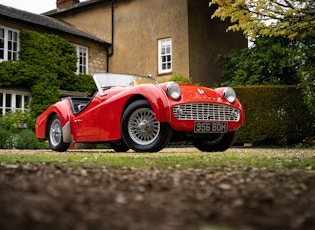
column 9, row 53
column 80, row 65
column 4, row 107
column 164, row 43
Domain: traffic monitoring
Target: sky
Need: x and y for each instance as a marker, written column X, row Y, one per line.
column 34, row 6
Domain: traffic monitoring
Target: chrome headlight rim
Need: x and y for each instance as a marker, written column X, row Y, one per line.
column 173, row 90
column 229, row 94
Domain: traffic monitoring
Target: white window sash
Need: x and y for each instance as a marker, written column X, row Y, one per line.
column 165, row 56
column 10, row 53
column 83, row 59
column 13, row 106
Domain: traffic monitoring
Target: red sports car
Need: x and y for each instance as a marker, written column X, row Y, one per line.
column 135, row 112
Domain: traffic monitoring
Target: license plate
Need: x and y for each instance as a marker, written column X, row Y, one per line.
column 210, row 127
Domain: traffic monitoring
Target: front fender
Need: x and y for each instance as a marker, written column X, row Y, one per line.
column 112, row 110
column 159, row 102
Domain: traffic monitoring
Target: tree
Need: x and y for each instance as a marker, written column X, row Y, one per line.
column 271, row 61
column 286, row 18
column 293, row 19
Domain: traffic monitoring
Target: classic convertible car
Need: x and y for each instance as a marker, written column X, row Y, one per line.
column 135, row 112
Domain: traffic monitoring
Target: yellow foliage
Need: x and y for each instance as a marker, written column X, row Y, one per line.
column 290, row 18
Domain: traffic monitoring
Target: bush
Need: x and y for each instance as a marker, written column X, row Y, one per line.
column 275, row 115
column 5, row 139
column 16, row 131
column 180, row 79
column 14, row 121
column 27, row 140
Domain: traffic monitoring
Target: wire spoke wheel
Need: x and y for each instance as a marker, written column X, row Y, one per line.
column 143, row 127
column 141, row 131
column 55, row 132
column 55, row 135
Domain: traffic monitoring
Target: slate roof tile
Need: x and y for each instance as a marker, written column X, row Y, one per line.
column 46, row 21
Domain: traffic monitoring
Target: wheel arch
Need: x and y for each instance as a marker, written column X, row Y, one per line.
column 66, row 127
column 157, row 104
column 133, row 99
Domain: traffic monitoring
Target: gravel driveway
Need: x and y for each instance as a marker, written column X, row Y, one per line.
column 48, row 196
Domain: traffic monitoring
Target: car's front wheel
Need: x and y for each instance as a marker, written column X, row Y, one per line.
column 55, row 135
column 218, row 142
column 140, row 129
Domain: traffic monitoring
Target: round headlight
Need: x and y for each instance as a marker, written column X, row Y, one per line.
column 173, row 90
column 229, row 94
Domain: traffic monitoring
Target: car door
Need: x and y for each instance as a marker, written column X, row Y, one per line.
column 86, row 123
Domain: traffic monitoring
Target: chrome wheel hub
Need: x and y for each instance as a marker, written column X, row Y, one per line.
column 55, row 133
column 143, row 127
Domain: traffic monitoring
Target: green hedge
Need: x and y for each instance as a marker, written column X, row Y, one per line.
column 275, row 115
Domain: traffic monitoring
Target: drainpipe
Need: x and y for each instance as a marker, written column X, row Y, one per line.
column 111, row 52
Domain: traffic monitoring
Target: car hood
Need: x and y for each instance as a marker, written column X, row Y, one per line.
column 198, row 93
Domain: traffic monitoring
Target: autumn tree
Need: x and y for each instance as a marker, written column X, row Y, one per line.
column 289, row 19
column 286, row 18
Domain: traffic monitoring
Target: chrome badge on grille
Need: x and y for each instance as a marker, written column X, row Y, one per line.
column 201, row 91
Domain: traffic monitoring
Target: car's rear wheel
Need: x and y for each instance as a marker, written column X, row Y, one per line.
column 119, row 146
column 218, row 142
column 55, row 135
column 140, row 129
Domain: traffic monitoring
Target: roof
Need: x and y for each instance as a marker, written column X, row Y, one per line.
column 80, row 5
column 47, row 22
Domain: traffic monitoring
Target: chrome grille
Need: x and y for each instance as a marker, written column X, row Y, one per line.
column 206, row 111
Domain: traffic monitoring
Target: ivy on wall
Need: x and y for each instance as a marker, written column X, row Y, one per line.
column 46, row 64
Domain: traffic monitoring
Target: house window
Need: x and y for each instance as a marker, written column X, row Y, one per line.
column 11, row 101
column 82, row 64
column 165, row 55
column 9, row 44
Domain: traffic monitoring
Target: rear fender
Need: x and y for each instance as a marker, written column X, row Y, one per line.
column 63, row 110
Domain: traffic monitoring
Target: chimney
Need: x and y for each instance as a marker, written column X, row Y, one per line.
column 63, row 4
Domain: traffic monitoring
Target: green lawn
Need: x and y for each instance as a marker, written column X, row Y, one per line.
column 169, row 158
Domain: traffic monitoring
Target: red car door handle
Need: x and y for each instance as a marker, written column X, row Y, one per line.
column 77, row 121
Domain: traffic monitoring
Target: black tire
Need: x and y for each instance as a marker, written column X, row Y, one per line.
column 140, row 130
column 221, row 142
column 119, row 146
column 55, row 135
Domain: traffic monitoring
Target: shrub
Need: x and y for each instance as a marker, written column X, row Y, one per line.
column 5, row 139
column 27, row 140
column 275, row 115
column 16, row 131
column 13, row 121
column 180, row 79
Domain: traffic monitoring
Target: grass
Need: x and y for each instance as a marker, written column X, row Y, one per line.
column 181, row 158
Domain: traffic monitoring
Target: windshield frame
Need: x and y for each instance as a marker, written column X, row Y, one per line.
column 109, row 80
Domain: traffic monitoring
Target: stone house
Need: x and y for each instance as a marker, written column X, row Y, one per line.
column 91, row 50
column 156, row 37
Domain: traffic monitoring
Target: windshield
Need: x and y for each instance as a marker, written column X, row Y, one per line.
column 108, row 80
